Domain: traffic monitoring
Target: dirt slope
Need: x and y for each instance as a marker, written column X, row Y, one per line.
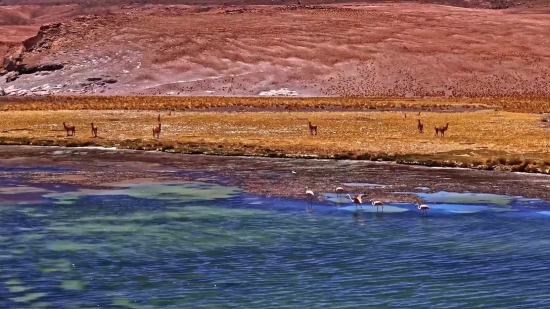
column 491, row 4
column 354, row 49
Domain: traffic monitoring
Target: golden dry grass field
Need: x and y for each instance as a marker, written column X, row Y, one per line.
column 482, row 138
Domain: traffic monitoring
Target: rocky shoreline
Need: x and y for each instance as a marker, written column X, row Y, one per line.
column 271, row 177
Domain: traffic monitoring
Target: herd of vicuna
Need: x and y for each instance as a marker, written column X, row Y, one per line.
column 439, row 131
column 71, row 130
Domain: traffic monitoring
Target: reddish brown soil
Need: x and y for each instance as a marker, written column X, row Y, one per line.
column 402, row 49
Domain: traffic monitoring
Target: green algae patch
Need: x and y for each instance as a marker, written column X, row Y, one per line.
column 41, row 305
column 467, row 198
column 126, row 303
column 69, row 246
column 175, row 192
column 28, row 297
column 18, row 288
column 75, row 285
column 13, row 282
column 50, row 266
column 206, row 212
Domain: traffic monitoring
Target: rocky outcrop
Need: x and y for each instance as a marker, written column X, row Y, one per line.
column 14, row 60
column 43, row 39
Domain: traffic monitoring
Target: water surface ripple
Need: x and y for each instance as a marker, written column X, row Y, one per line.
column 237, row 251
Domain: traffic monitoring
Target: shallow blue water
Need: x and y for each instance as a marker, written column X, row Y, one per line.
column 192, row 245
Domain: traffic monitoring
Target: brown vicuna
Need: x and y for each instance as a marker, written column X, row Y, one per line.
column 69, row 129
column 158, row 118
column 156, row 131
column 420, row 127
column 441, row 130
column 312, row 128
column 94, row 130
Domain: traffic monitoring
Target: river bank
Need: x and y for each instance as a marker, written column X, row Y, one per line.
column 270, row 177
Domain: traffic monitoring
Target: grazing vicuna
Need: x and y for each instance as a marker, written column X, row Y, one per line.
column 312, row 128
column 156, row 131
column 420, row 127
column 94, row 130
column 441, row 130
column 69, row 129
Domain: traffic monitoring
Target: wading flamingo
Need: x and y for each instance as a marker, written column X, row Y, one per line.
column 424, row 208
column 356, row 199
column 378, row 203
column 339, row 191
column 309, row 195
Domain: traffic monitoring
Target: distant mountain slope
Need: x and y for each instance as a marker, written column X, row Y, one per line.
column 491, row 4
column 343, row 50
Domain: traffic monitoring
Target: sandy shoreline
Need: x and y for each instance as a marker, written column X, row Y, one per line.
column 271, row 177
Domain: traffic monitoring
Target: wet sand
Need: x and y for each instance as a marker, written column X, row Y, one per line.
column 271, row 177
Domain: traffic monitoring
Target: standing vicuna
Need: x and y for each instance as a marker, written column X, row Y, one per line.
column 94, row 130
column 156, row 131
column 441, row 130
column 69, row 129
column 312, row 128
column 420, row 127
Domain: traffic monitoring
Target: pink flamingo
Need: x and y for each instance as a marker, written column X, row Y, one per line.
column 356, row 199
column 339, row 191
column 309, row 194
column 424, row 208
column 378, row 203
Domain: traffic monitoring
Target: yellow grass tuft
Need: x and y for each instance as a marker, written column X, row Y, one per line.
column 484, row 139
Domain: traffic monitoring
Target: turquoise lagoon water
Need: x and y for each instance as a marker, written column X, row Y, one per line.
column 197, row 245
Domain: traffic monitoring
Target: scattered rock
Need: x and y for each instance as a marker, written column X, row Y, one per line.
column 110, row 81
column 11, row 76
column 50, row 67
column 281, row 92
column 94, row 79
column 22, row 92
column 2, row 93
column 3, row 72
column 10, row 89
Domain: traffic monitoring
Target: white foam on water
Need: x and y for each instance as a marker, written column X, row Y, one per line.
column 545, row 212
column 464, row 211
column 369, row 208
column 457, row 208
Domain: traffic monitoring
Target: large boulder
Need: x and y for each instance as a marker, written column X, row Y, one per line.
column 12, row 58
column 50, row 67
column 27, row 69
